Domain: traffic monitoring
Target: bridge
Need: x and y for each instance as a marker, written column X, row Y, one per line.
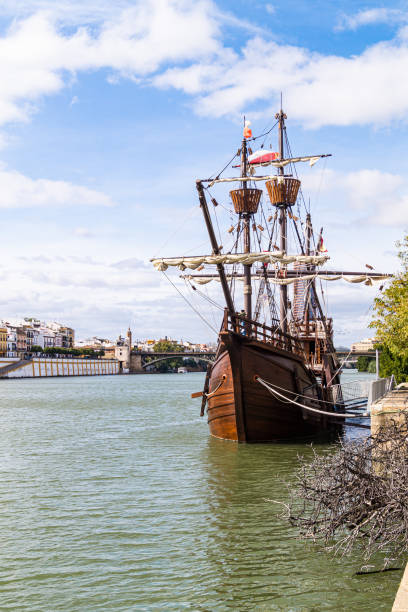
column 139, row 361
column 348, row 359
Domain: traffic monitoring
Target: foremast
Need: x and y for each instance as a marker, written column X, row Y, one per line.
column 215, row 247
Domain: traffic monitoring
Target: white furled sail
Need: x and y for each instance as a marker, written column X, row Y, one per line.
column 363, row 278
column 237, row 258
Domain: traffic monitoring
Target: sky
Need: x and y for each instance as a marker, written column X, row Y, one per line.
column 110, row 111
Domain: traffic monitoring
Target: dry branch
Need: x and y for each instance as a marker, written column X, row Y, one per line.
column 357, row 495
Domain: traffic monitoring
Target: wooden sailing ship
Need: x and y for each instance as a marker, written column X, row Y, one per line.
column 278, row 379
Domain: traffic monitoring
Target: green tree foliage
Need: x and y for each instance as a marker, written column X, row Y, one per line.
column 371, row 367
column 362, row 363
column 165, row 346
column 59, row 350
column 391, row 320
column 392, row 364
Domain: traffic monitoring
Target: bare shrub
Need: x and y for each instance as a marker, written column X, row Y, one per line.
column 357, row 495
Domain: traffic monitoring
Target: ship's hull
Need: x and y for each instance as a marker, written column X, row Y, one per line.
column 241, row 409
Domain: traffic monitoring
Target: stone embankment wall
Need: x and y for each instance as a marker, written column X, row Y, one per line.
column 393, row 405
column 41, row 366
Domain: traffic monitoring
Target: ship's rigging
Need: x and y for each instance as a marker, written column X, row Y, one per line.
column 279, row 334
column 269, row 231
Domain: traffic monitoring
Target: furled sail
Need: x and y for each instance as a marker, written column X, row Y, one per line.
column 237, row 258
column 363, row 278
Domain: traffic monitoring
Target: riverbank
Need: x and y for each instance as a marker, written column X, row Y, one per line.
column 40, row 367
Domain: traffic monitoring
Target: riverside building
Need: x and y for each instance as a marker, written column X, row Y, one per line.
column 3, row 340
column 18, row 337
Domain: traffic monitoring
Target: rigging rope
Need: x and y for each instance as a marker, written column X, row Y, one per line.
column 304, row 396
column 191, row 306
column 226, row 166
column 265, row 133
column 187, row 218
column 323, row 412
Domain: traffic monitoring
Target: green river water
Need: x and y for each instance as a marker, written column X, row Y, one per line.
column 114, row 497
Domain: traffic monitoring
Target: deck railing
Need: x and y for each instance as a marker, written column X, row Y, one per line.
column 259, row 331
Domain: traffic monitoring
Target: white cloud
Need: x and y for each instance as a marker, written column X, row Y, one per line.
column 96, row 296
column 83, row 232
column 19, row 191
column 371, row 17
column 380, row 197
column 70, row 11
column 318, row 90
column 36, row 54
column 177, row 44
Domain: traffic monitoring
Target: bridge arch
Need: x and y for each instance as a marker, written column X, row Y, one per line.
column 166, row 358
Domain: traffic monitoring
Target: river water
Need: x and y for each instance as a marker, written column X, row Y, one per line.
column 114, row 497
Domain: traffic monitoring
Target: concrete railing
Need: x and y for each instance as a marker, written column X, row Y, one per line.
column 379, row 388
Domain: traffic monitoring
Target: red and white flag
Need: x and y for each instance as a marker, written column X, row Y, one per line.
column 321, row 248
column 262, row 157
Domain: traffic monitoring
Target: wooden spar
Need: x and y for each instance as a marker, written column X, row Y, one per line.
column 293, row 274
column 215, row 247
column 247, row 238
column 283, row 310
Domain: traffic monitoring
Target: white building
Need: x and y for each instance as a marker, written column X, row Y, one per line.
column 363, row 346
column 11, row 341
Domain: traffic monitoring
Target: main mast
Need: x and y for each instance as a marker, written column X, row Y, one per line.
column 247, row 237
column 283, row 309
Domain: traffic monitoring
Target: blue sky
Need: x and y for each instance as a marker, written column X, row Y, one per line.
column 110, row 111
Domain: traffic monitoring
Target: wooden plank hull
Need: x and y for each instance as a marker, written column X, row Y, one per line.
column 239, row 408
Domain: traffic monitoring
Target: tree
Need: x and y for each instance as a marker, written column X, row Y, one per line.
column 391, row 320
column 165, row 346
column 372, row 367
column 362, row 363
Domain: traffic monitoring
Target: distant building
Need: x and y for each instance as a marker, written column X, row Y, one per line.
column 23, row 334
column 3, row 340
column 122, row 351
column 21, row 341
column 11, row 341
column 146, row 346
column 363, row 346
column 65, row 335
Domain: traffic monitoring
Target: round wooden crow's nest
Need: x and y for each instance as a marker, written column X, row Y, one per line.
column 283, row 191
column 246, row 200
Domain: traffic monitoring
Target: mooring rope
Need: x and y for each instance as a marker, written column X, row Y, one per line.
column 273, row 391
column 208, row 395
column 300, row 394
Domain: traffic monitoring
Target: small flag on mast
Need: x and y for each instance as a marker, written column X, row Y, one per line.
column 321, row 248
column 247, row 130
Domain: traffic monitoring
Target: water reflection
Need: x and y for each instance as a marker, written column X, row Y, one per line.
column 250, row 547
column 256, row 558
